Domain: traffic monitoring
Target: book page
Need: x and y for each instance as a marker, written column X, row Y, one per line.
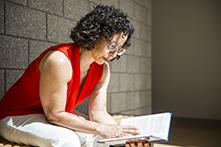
column 155, row 127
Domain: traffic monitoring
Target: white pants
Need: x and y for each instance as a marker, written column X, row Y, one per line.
column 35, row 130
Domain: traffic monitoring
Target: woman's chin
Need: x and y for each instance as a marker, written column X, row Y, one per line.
column 100, row 61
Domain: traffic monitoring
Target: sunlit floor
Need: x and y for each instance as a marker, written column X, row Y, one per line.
column 168, row 145
column 164, row 145
column 193, row 133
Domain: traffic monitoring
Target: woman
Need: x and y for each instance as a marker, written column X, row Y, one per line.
column 38, row 108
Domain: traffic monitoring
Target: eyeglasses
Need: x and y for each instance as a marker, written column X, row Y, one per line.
column 113, row 46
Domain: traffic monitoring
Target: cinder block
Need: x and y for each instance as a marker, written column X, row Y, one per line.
column 2, row 83
column 21, row 2
column 143, row 98
column 127, row 6
column 128, row 113
column 138, row 81
column 149, row 16
column 146, row 98
column 109, row 102
column 141, row 2
column 114, row 82
column 130, row 50
column 143, row 82
column 140, row 13
column 51, row 6
column 145, row 3
column 144, row 65
column 146, row 32
column 133, row 100
column 59, row 29
column 95, row 1
column 148, row 50
column 140, row 47
column 12, row 76
column 149, row 81
column 2, row 19
column 133, row 65
column 76, row 9
column 114, row 3
column 118, row 102
column 126, row 82
column 139, row 111
column 149, row 110
column 149, row 66
column 119, row 65
column 13, row 52
column 37, row 47
column 149, row 98
column 25, row 22
column 138, row 29
column 142, row 111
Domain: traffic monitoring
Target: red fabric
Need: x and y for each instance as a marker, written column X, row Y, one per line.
column 23, row 97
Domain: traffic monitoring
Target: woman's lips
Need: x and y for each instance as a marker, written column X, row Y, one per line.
column 105, row 59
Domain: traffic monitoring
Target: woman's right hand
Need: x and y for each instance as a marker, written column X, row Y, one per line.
column 138, row 143
column 116, row 130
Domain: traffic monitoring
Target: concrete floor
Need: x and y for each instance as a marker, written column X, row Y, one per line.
column 193, row 133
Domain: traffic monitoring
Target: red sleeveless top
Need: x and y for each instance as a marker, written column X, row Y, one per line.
column 23, row 97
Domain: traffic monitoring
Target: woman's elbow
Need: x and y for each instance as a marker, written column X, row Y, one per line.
column 53, row 117
column 96, row 116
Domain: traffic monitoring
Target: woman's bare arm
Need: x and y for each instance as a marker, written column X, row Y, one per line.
column 98, row 100
column 56, row 71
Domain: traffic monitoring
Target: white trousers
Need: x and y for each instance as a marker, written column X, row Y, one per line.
column 35, row 130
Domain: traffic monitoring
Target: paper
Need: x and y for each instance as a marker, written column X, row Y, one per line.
column 154, row 127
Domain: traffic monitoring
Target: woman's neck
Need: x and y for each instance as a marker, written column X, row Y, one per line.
column 85, row 59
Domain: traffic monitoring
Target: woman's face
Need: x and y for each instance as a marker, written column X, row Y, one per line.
column 106, row 49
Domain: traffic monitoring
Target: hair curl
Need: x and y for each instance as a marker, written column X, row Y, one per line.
column 103, row 21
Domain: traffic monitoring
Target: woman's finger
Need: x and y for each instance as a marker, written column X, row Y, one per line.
column 146, row 145
column 127, row 145
column 132, row 144
column 123, row 135
column 131, row 131
column 140, row 144
column 129, row 127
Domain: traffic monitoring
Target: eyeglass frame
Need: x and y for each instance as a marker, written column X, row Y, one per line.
column 115, row 47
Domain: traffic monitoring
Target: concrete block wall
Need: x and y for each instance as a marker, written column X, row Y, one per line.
column 27, row 27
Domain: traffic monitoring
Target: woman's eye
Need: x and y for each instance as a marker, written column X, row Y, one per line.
column 112, row 46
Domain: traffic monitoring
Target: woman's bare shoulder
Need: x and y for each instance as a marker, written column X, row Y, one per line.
column 56, row 62
column 106, row 73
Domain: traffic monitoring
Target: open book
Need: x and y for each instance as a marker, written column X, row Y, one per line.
column 152, row 127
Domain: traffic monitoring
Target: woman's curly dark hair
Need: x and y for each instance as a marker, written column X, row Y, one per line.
column 103, row 21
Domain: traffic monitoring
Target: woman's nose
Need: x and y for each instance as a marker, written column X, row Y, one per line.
column 112, row 55
column 114, row 52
